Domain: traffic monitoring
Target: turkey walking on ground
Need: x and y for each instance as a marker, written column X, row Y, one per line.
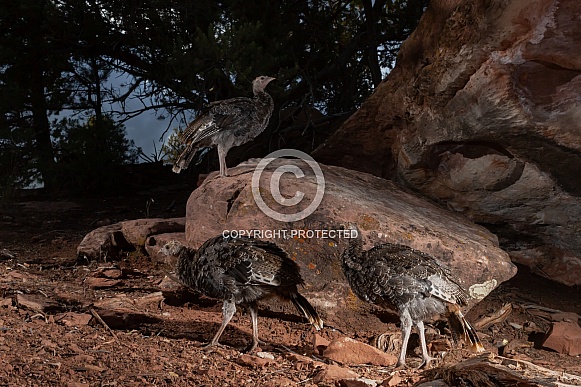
column 227, row 124
column 415, row 284
column 241, row 271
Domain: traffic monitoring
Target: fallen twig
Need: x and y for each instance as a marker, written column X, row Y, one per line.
column 96, row 315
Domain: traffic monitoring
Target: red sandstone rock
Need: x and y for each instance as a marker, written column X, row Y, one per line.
column 564, row 337
column 319, row 343
column 481, row 114
column 253, row 361
column 352, row 352
column 101, row 283
column 36, row 302
column 384, row 213
column 106, row 242
column 72, row 319
column 332, row 373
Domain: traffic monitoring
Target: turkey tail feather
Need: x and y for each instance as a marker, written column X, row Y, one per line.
column 307, row 309
column 184, row 159
column 468, row 332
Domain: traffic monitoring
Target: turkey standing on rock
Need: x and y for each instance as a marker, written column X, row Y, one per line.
column 227, row 124
column 398, row 277
column 241, row 271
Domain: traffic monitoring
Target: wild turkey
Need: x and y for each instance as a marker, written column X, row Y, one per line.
column 227, row 124
column 415, row 284
column 241, row 271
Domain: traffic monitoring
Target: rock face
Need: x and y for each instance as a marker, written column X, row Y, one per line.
column 383, row 211
column 482, row 114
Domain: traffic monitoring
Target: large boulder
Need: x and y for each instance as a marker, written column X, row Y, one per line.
column 383, row 211
column 482, row 114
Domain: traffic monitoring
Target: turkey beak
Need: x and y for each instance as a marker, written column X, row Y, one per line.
column 269, row 79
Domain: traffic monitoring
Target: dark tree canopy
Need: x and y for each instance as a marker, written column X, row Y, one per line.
column 180, row 55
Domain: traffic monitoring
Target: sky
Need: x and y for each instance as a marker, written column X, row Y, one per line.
column 145, row 130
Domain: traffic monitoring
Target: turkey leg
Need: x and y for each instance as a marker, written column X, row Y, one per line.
column 228, row 310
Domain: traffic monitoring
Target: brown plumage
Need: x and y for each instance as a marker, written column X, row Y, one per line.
column 241, row 271
column 415, row 284
column 226, row 124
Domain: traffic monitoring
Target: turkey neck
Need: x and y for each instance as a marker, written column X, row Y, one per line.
column 185, row 266
column 353, row 253
column 264, row 101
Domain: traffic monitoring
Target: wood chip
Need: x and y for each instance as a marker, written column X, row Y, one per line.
column 482, row 370
column 495, row 318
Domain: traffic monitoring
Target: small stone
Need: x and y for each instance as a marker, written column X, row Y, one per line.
column 265, row 355
column 319, row 343
column 112, row 273
column 564, row 337
column 348, row 351
column 333, row 373
column 253, row 361
column 297, row 357
column 357, row 382
column 101, row 283
column 303, row 362
column 393, row 380
column 72, row 319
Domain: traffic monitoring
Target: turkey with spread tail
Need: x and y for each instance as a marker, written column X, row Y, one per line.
column 241, row 271
column 226, row 124
column 413, row 283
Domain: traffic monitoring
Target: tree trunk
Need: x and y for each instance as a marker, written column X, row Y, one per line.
column 44, row 149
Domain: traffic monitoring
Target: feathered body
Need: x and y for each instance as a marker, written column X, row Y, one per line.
column 241, row 271
column 411, row 282
column 226, row 124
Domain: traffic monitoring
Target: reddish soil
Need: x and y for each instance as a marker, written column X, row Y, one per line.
column 155, row 337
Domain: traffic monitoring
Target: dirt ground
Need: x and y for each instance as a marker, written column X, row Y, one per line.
column 50, row 305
